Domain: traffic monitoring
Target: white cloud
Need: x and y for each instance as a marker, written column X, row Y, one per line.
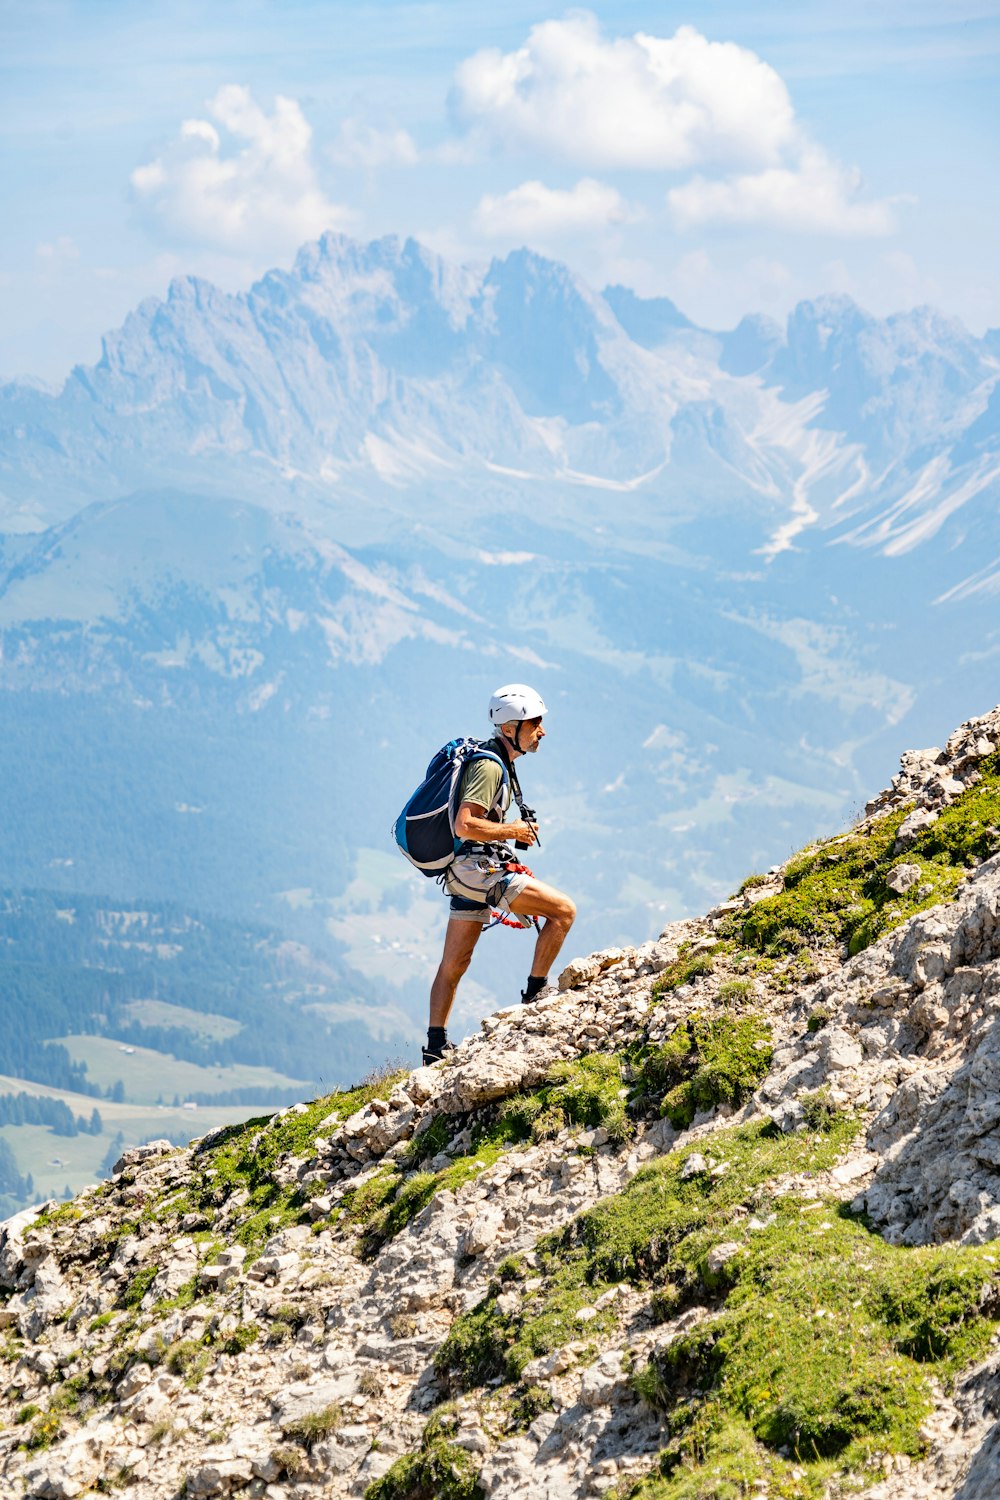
column 536, row 210
column 814, row 195
column 55, row 255
column 640, row 101
column 666, row 104
column 359, row 144
column 245, row 183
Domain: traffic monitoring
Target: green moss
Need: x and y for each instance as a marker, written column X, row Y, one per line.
column 186, row 1295
column 138, row 1286
column 835, row 893
column 824, row 1347
column 683, row 970
column 63, row 1213
column 657, row 1230
column 967, row 832
column 714, row 1457
column 363, row 1202
column 439, row 1470
column 707, row 1060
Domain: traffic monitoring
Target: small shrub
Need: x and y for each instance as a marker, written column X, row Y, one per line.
column 735, row 990
column 666, row 1302
column 240, row 1341
column 402, row 1325
column 529, row 1404
column 476, row 1347
column 429, row 1142
column 370, row 1383
column 819, row 1111
column 45, row 1430
column 650, row 1386
column 25, row 1414
column 290, row 1459
column 139, row 1286
column 190, row 1360
column 439, row 1470
column 314, row 1425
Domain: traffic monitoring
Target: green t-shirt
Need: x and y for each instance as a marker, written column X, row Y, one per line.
column 480, row 784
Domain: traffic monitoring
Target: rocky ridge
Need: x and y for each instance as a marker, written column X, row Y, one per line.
column 528, row 1272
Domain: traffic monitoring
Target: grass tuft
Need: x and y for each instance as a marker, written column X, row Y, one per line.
column 439, row 1470
column 315, row 1425
column 707, row 1060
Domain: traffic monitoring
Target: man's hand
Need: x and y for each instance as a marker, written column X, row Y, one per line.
column 472, row 823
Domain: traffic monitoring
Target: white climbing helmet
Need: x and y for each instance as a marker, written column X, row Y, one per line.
column 515, row 702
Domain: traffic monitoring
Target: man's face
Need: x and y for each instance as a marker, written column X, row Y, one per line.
column 527, row 735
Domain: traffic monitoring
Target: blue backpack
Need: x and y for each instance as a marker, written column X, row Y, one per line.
column 425, row 829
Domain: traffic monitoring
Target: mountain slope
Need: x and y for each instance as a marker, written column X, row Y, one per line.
column 718, row 1212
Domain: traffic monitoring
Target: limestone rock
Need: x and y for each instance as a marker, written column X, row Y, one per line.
column 72, row 1468
column 482, row 1232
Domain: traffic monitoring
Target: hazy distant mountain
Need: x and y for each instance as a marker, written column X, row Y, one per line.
column 275, row 547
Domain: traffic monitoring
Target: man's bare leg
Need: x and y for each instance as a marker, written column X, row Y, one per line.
column 557, row 910
column 460, row 940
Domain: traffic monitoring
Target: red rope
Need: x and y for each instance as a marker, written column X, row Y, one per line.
column 498, row 916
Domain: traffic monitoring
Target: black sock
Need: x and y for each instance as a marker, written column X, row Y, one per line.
column 436, row 1038
column 534, row 985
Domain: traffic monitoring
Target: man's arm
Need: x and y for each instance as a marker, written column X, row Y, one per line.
column 471, row 823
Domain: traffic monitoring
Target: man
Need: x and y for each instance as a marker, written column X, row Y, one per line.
column 478, row 879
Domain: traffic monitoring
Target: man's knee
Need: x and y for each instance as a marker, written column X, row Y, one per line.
column 566, row 914
column 453, row 968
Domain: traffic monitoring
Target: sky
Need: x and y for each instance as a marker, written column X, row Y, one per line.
column 734, row 158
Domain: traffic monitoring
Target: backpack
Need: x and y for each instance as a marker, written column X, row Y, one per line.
column 425, row 829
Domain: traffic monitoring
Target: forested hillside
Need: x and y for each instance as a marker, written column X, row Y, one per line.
column 154, row 1008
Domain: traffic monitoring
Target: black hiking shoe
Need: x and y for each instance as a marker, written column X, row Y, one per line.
column 435, row 1054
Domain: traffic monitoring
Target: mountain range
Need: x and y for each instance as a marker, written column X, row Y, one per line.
column 275, row 547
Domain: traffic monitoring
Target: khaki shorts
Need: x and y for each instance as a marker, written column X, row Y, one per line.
column 478, row 883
